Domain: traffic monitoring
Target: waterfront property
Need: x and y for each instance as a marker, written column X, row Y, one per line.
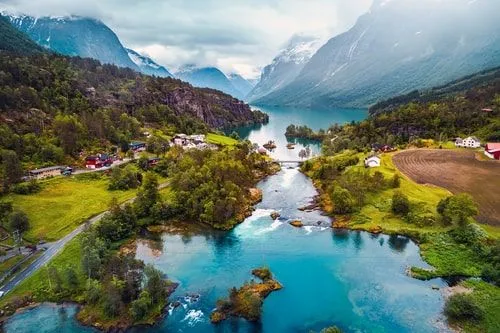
column 191, row 141
column 492, row 150
column 470, row 142
column 46, row 172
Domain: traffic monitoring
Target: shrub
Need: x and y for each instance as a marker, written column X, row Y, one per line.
column 27, row 188
column 469, row 234
column 396, row 181
column 462, row 307
column 124, row 179
column 19, row 221
column 400, row 204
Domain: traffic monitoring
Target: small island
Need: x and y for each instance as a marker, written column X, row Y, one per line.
column 246, row 302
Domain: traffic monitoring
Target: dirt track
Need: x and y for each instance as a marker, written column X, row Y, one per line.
column 457, row 171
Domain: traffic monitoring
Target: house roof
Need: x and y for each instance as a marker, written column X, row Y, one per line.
column 42, row 170
column 372, row 158
column 473, row 138
column 493, row 146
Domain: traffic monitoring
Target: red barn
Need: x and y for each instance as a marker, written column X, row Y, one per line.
column 492, row 150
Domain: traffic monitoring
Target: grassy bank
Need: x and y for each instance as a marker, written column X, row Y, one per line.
column 64, row 203
column 221, row 140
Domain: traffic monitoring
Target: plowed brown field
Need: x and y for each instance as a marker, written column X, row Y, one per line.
column 459, row 172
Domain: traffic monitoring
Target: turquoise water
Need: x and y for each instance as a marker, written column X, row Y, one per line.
column 354, row 280
column 281, row 117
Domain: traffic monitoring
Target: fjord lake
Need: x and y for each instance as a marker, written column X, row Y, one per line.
column 281, row 117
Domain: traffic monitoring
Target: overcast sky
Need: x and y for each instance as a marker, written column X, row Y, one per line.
column 235, row 35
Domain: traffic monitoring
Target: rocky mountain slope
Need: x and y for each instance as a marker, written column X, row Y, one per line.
column 241, row 84
column 147, row 65
column 286, row 66
column 397, row 47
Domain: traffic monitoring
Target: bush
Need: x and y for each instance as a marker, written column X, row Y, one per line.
column 469, row 234
column 400, row 204
column 396, row 181
column 124, row 179
column 462, row 307
column 19, row 221
column 27, row 188
column 343, row 201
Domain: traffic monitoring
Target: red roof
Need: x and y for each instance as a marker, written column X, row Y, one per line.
column 491, row 146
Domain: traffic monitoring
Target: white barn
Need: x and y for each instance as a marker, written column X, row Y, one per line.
column 372, row 162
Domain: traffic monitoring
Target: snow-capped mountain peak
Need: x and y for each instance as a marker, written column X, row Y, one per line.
column 147, row 65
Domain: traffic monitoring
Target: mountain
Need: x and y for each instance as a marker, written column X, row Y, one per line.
column 12, row 40
column 286, row 66
column 208, row 77
column 397, row 47
column 241, row 84
column 75, row 36
column 147, row 65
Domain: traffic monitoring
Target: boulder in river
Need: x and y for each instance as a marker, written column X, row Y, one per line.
column 275, row 215
column 297, row 223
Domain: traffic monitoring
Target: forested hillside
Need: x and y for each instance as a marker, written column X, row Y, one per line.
column 489, row 79
column 442, row 113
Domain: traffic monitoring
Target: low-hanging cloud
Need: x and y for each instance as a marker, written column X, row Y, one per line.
column 236, row 35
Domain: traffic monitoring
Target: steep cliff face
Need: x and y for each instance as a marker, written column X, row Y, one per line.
column 397, row 47
column 216, row 109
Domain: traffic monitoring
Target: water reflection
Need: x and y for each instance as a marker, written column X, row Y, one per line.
column 398, row 243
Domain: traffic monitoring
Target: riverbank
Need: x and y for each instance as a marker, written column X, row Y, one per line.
column 438, row 243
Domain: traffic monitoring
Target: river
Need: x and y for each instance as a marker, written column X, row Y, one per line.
column 354, row 280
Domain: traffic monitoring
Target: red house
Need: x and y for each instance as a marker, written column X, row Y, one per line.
column 97, row 162
column 492, row 150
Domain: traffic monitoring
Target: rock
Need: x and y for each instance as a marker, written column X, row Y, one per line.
column 297, row 223
column 176, row 304
column 434, row 287
column 375, row 229
column 255, row 195
column 275, row 215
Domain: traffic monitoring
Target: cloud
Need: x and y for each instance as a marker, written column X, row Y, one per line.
column 237, row 35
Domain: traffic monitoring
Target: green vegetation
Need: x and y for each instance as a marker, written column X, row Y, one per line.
column 12, row 40
column 64, row 203
column 213, row 187
column 304, row 132
column 246, row 301
column 221, row 140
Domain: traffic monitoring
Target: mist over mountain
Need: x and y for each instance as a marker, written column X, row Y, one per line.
column 147, row 65
column 241, row 84
column 397, row 47
column 286, row 65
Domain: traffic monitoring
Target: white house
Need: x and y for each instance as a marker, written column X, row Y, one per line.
column 470, row 142
column 372, row 162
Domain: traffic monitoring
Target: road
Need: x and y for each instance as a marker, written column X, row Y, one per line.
column 53, row 249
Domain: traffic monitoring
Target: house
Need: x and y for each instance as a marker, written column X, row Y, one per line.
column 382, row 148
column 190, row 141
column 470, row 142
column 98, row 161
column 46, row 172
column 153, row 161
column 262, row 151
column 492, row 150
column 137, row 146
column 180, row 140
column 372, row 161
column 487, row 110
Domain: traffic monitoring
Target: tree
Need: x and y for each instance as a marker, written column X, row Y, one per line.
column 154, row 284
column 147, row 196
column 400, row 203
column 93, row 250
column 343, row 201
column 143, row 162
column 462, row 307
column 396, row 181
column 140, row 306
column 332, row 329
column 19, row 221
column 235, row 135
column 11, row 170
column 69, row 130
column 93, row 291
column 71, row 277
column 458, row 209
column 55, row 281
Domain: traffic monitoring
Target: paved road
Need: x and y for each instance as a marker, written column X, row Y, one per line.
column 53, row 249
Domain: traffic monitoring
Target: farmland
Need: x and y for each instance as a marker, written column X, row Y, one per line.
column 459, row 172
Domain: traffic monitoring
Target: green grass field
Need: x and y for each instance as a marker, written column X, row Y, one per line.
column 221, row 140
column 64, row 203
